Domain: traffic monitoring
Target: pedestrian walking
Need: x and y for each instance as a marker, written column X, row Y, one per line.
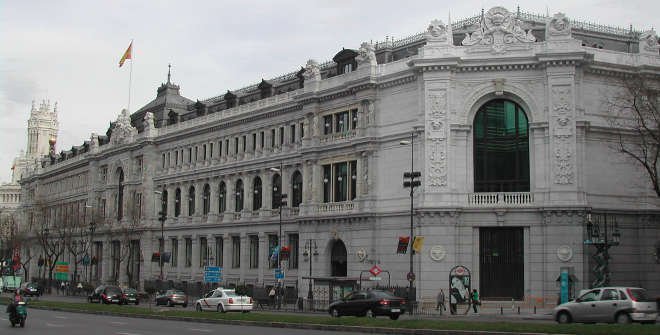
column 440, row 302
column 453, row 301
column 271, row 296
column 475, row 300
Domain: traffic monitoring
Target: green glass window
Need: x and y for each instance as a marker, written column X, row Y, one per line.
column 501, row 148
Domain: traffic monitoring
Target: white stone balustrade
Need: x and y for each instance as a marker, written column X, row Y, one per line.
column 500, row 199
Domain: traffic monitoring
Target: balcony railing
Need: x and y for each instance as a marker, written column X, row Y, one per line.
column 500, row 199
column 332, row 207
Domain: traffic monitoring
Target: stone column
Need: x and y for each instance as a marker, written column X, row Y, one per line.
column 317, row 183
column 263, row 256
column 248, row 193
column 245, row 254
column 185, row 188
column 231, row 198
column 196, row 251
column 199, row 197
column 267, row 189
column 213, row 201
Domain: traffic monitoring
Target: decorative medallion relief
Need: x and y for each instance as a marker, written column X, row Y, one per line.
column 563, row 134
column 558, row 27
column 122, row 131
column 436, row 134
column 565, row 253
column 499, row 31
column 437, row 253
column 648, row 43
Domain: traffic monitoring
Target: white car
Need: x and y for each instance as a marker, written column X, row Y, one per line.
column 224, row 300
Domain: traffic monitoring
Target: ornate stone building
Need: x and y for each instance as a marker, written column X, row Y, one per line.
column 508, row 117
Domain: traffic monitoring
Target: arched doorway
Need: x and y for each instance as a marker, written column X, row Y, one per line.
column 338, row 259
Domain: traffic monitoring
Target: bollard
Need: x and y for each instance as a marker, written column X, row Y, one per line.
column 518, row 309
column 501, row 310
column 534, row 309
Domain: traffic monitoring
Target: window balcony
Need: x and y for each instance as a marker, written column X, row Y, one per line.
column 336, row 207
column 500, row 199
column 336, row 137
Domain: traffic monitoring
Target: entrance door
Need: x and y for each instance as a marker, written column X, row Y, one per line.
column 501, row 268
column 338, row 259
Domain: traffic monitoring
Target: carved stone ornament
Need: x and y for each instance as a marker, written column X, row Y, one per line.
column 148, row 120
column 648, row 43
column 563, row 132
column 123, row 131
column 564, row 253
column 312, row 71
column 558, row 27
column 439, row 32
column 361, row 254
column 437, row 253
column 366, row 54
column 499, row 29
column 436, row 135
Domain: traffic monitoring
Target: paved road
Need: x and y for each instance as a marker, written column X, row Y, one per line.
column 41, row 322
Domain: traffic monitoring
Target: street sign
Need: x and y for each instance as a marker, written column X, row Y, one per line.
column 279, row 273
column 212, row 274
column 61, row 271
column 375, row 278
column 375, row 270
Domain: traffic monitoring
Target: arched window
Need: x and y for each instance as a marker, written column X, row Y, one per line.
column 177, row 202
column 258, row 194
column 191, row 201
column 120, row 194
column 239, row 195
column 277, row 191
column 501, row 148
column 163, row 200
column 296, row 199
column 207, row 199
column 222, row 197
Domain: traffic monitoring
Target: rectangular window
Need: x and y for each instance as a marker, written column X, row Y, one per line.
column 203, row 252
column 169, row 159
column 115, row 256
column 235, row 145
column 281, row 136
column 174, row 260
column 188, row 252
column 254, row 251
column 272, row 138
column 294, row 244
column 341, row 183
column 190, row 155
column 261, row 138
column 138, row 206
column 327, row 183
column 176, row 158
column 327, row 124
column 302, row 130
column 204, row 152
column 353, row 186
column 244, row 142
column 139, row 163
column 196, row 156
column 254, row 141
column 211, row 150
column 341, row 122
column 227, row 147
column 219, row 251
column 292, row 136
column 272, row 251
column 354, row 118
column 235, row 252
column 163, row 163
column 219, row 148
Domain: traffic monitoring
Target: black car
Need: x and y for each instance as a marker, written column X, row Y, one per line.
column 130, row 296
column 30, row 290
column 106, row 294
column 368, row 303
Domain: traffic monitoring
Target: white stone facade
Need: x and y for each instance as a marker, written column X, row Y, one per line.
column 435, row 94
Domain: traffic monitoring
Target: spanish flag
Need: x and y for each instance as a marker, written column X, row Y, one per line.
column 127, row 54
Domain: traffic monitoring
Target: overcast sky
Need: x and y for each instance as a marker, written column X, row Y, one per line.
column 68, row 51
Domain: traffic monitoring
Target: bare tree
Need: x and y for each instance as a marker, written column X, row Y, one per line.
column 52, row 235
column 634, row 113
column 127, row 235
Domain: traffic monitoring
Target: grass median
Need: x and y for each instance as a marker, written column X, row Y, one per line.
column 265, row 318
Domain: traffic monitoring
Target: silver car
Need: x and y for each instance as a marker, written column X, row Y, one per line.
column 609, row 304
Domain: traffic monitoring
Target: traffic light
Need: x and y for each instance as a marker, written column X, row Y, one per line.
column 283, row 201
column 409, row 179
column 162, row 216
column 402, row 247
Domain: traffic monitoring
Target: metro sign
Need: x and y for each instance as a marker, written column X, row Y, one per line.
column 375, row 270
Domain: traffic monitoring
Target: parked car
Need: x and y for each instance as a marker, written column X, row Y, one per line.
column 106, row 294
column 224, row 300
column 172, row 298
column 130, row 296
column 368, row 303
column 30, row 289
column 609, row 304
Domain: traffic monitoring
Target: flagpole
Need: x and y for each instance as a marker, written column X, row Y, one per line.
column 130, row 79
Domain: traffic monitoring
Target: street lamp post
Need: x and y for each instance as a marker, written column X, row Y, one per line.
column 162, row 216
column 410, row 182
column 311, row 243
column 600, row 238
column 281, row 202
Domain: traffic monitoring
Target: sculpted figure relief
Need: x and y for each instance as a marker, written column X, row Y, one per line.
column 437, row 31
column 648, row 42
column 123, row 131
column 558, row 26
column 312, row 71
column 498, row 29
column 366, row 54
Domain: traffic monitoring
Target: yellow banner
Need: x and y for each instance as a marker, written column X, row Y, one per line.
column 418, row 244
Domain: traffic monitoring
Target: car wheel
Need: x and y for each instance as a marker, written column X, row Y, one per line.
column 221, row 309
column 564, row 317
column 198, row 307
column 394, row 316
column 623, row 318
column 335, row 313
column 369, row 313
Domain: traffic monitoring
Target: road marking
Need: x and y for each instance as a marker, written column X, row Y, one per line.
column 61, row 317
column 125, row 333
column 53, row 325
column 200, row 330
column 118, row 323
